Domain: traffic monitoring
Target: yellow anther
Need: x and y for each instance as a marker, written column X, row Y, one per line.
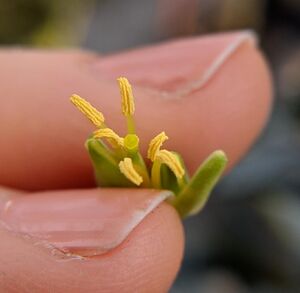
column 88, row 110
column 126, row 167
column 110, row 135
column 172, row 161
column 127, row 96
column 155, row 145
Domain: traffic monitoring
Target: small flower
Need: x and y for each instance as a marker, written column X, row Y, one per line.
column 118, row 162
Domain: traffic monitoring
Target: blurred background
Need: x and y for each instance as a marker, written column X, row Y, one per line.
column 248, row 237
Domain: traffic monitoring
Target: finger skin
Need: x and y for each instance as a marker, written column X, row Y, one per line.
column 44, row 134
column 147, row 261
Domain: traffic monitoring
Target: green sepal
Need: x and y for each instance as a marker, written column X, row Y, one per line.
column 105, row 165
column 194, row 196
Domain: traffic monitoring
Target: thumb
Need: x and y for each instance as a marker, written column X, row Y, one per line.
column 206, row 93
column 96, row 240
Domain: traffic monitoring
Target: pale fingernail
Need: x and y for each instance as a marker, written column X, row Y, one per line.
column 184, row 65
column 81, row 222
column 8, row 193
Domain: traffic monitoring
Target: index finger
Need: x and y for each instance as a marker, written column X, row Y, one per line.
column 206, row 93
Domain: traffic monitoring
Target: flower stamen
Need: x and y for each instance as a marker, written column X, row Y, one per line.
column 155, row 145
column 172, row 161
column 127, row 169
column 127, row 103
column 110, row 135
column 127, row 96
column 88, row 110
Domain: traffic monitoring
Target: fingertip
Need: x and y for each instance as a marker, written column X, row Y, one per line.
column 213, row 92
column 153, row 252
column 226, row 111
column 146, row 261
column 223, row 104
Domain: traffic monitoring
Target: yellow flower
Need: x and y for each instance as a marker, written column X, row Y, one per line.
column 120, row 163
column 130, row 143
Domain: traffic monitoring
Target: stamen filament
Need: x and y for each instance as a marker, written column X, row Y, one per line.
column 127, row 169
column 130, row 125
column 155, row 174
column 88, row 110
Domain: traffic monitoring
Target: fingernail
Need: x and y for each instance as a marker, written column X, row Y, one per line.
column 6, row 194
column 80, row 222
column 179, row 66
